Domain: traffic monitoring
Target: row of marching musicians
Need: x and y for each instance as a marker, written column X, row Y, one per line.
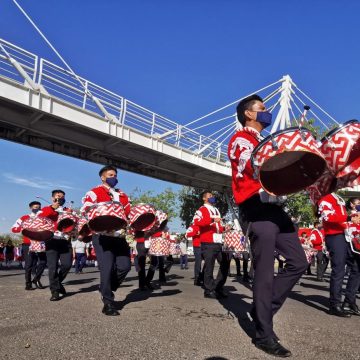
column 106, row 218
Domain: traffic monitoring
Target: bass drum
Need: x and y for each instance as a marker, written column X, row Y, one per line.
column 38, row 228
column 288, row 161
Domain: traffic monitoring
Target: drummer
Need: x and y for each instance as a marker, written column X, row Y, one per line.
column 57, row 248
column 270, row 228
column 32, row 251
column 332, row 212
column 112, row 250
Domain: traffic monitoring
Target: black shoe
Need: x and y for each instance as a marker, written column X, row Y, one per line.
column 338, row 311
column 38, row 284
column 220, row 294
column 55, row 296
column 29, row 287
column 210, row 295
column 247, row 279
column 109, row 310
column 352, row 309
column 143, row 288
column 272, row 347
column 319, row 280
column 149, row 286
column 62, row 290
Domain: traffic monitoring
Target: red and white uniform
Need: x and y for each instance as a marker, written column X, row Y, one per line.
column 16, row 228
column 193, row 232
column 210, row 231
column 241, row 146
column 103, row 193
column 333, row 214
column 317, row 239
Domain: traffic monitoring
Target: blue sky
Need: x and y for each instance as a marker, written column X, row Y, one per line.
column 182, row 59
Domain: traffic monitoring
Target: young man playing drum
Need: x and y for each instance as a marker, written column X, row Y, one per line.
column 269, row 227
column 57, row 248
column 33, row 251
column 112, row 250
column 334, row 217
column 208, row 219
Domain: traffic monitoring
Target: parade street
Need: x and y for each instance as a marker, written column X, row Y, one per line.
column 174, row 322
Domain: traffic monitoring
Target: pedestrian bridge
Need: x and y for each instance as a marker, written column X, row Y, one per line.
column 48, row 107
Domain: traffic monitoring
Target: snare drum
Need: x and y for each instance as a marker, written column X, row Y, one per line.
column 232, row 242
column 106, row 216
column 161, row 220
column 66, row 222
column 83, row 230
column 174, row 248
column 142, row 217
column 38, row 228
column 288, row 161
column 309, row 253
column 159, row 246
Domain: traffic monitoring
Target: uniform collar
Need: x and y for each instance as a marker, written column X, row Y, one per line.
column 253, row 132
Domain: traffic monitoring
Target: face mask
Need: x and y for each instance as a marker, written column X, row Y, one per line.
column 212, row 200
column 264, row 117
column 357, row 207
column 111, row 181
column 61, row 201
column 35, row 210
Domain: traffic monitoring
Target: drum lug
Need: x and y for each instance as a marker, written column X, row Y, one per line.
column 274, row 144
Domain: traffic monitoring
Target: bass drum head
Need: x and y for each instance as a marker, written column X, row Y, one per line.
column 144, row 222
column 66, row 225
column 290, row 172
column 38, row 235
column 107, row 223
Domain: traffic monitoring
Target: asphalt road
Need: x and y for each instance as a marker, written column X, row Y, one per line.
column 174, row 322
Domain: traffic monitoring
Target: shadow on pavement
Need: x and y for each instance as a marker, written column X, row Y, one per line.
column 238, row 307
column 79, row 281
column 138, row 295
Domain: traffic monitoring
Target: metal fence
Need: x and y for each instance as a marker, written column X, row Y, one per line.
column 18, row 64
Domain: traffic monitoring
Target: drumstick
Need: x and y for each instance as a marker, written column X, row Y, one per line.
column 39, row 197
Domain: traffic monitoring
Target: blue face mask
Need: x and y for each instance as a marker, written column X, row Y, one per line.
column 35, row 210
column 212, row 200
column 264, row 117
column 357, row 207
column 112, row 181
column 61, row 201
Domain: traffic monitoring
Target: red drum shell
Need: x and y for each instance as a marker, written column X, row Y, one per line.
column 38, row 228
column 174, row 249
column 161, row 219
column 232, row 242
column 341, row 147
column 106, row 216
column 142, row 217
column 159, row 247
column 295, row 164
column 82, row 228
column 66, row 222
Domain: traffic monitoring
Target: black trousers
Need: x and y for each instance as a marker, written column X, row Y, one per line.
column 271, row 229
column 156, row 262
column 58, row 249
column 322, row 262
column 113, row 256
column 141, row 258
column 198, row 261
column 27, row 260
column 340, row 256
column 37, row 261
column 211, row 252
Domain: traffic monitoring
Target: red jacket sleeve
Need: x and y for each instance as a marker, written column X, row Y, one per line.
column 315, row 238
column 328, row 214
column 202, row 218
column 49, row 212
column 16, row 228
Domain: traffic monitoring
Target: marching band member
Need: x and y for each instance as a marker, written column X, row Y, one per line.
column 317, row 240
column 31, row 251
column 112, row 251
column 57, row 248
column 208, row 219
column 270, row 228
column 193, row 232
column 333, row 215
column 139, row 237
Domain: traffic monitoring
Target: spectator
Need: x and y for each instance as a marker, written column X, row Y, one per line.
column 183, row 254
column 9, row 253
column 80, row 254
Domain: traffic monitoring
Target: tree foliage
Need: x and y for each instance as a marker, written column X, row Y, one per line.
column 165, row 200
column 299, row 206
column 190, row 201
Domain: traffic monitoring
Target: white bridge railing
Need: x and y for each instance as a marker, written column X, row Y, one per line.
column 42, row 75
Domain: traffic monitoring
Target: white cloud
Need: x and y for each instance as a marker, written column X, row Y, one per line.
column 35, row 182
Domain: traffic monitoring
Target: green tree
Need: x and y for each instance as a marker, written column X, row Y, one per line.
column 165, row 200
column 190, row 201
column 299, row 207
